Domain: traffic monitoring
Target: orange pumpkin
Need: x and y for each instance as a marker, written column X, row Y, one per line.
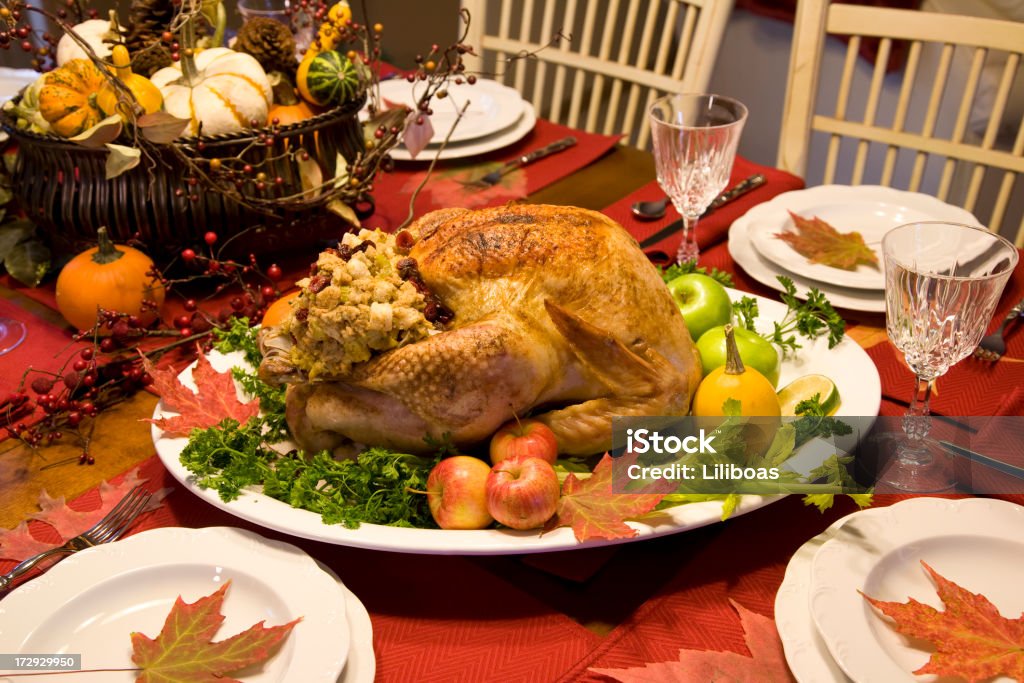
column 115, row 278
column 287, row 107
column 279, row 310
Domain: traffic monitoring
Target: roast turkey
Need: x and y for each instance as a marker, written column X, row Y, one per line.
column 557, row 314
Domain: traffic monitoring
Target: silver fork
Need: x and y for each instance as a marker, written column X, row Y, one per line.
column 108, row 529
column 993, row 346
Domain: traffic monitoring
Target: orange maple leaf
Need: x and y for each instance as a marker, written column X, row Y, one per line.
column 766, row 663
column 184, row 651
column 819, row 242
column 593, row 511
column 971, row 638
column 214, row 400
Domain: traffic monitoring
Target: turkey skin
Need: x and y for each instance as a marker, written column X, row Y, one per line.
column 558, row 314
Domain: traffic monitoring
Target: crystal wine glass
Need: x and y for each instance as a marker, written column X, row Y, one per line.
column 695, row 138
column 12, row 333
column 942, row 284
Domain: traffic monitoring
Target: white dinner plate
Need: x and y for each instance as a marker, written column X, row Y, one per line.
column 361, row 662
column 91, row 602
column 743, row 253
column 976, row 542
column 871, row 210
column 472, row 148
column 493, row 107
column 806, row 653
column 847, row 364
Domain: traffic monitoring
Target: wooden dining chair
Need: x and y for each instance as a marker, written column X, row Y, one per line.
column 597, row 65
column 945, row 120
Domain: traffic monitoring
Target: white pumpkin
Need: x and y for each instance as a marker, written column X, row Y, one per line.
column 93, row 32
column 229, row 91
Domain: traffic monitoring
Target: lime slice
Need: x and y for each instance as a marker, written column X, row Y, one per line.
column 806, row 387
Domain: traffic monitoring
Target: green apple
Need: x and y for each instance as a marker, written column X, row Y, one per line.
column 755, row 352
column 703, row 302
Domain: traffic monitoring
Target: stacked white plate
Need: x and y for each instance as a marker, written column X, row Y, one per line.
column 870, row 210
column 496, row 116
column 831, row 633
column 90, row 603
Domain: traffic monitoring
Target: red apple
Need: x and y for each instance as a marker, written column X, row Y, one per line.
column 524, row 439
column 522, row 493
column 456, row 493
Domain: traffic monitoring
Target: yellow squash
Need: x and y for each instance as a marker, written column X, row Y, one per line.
column 146, row 94
column 755, row 393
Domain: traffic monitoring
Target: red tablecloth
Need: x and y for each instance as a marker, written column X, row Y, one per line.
column 452, row 618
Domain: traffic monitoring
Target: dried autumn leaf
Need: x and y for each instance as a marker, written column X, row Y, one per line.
column 184, row 651
column 417, row 133
column 593, row 511
column 213, row 401
column 766, row 663
column 121, row 159
column 971, row 638
column 819, row 242
column 19, row 543
column 161, row 127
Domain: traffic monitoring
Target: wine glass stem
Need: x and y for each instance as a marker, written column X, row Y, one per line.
column 688, row 250
column 916, row 423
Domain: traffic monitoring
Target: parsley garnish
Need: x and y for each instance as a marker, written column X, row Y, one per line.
column 809, row 319
column 676, row 269
column 813, row 422
column 746, row 312
column 379, row 487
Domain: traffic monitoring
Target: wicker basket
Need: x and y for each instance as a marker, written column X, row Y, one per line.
column 64, row 188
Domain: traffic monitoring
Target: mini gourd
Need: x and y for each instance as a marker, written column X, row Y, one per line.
column 68, row 97
column 754, row 392
column 112, row 277
column 98, row 34
column 218, row 90
column 146, row 94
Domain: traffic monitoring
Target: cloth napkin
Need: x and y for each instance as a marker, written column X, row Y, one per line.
column 654, row 236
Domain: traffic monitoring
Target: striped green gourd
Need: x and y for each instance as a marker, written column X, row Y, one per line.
column 332, row 79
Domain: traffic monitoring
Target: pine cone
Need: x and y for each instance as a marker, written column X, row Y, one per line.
column 148, row 20
column 270, row 42
column 148, row 61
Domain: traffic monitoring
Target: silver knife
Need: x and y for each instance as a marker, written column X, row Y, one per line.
column 999, row 465
column 739, row 189
column 492, row 178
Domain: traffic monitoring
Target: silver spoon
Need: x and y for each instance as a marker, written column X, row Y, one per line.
column 653, row 210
